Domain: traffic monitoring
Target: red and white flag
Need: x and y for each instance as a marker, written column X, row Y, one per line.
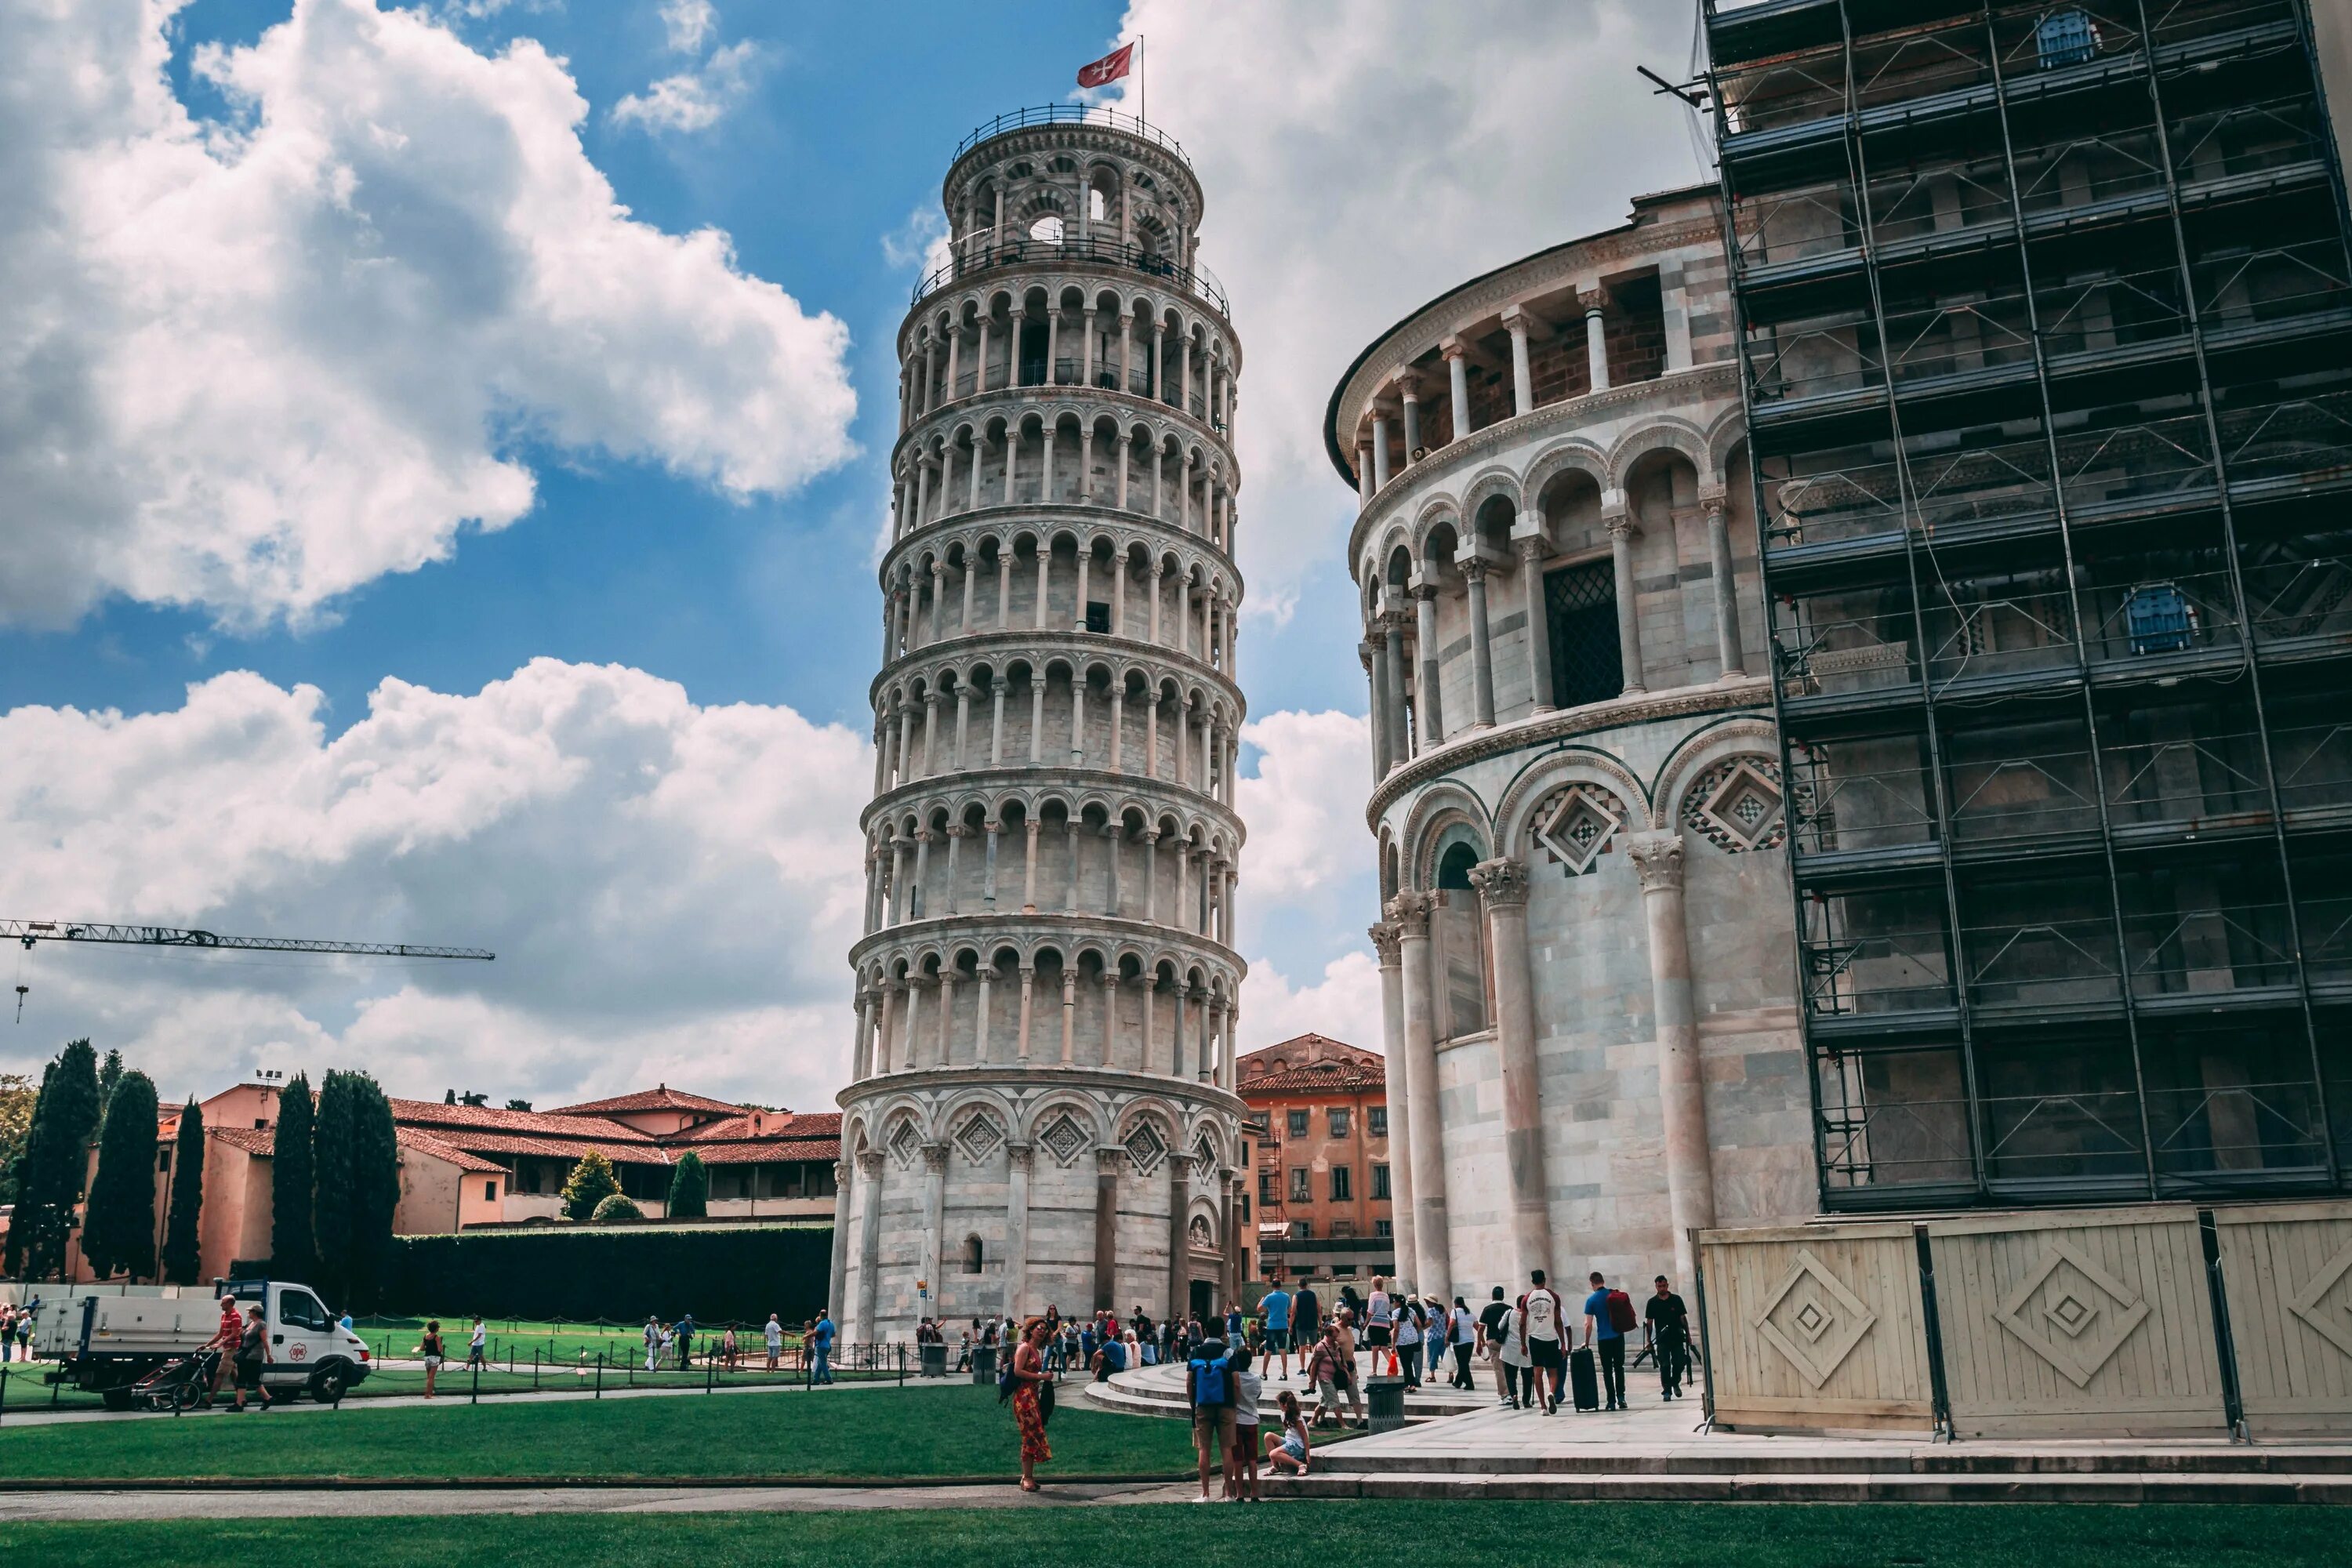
column 1109, row 69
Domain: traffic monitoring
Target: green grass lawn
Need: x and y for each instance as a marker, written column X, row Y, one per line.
column 1457, row 1535
column 520, row 1340
column 939, row 1430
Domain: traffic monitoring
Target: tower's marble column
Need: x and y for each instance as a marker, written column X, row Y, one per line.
column 1502, row 887
column 837, row 1289
column 1388, row 943
column 1690, row 1177
column 1108, row 1162
column 1433, row 1234
column 869, row 1245
column 1016, row 1233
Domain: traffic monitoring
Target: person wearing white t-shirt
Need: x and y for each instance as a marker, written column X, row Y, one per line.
column 1540, row 1320
column 1380, row 1316
column 1407, row 1339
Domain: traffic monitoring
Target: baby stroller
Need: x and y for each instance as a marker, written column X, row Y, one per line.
column 177, row 1384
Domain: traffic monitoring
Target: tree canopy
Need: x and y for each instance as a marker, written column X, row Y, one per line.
column 293, row 1183
column 592, row 1179
column 49, row 1172
column 689, row 1188
column 181, row 1234
column 119, row 1233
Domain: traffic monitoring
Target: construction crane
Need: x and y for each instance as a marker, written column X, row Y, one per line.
column 31, row 931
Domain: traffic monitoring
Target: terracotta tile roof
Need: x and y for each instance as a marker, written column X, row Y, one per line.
column 753, row 1152
column 452, row 1119
column 424, row 1144
column 1310, row 1063
column 642, row 1154
column 661, row 1097
column 767, row 1124
column 1319, row 1077
column 261, row 1141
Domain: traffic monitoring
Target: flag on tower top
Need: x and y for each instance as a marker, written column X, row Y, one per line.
column 1109, row 69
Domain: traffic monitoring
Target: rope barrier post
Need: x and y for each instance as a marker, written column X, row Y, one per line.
column 534, row 1366
column 600, row 1375
column 477, row 1370
column 4, row 1388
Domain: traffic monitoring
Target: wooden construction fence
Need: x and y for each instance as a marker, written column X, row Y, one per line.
column 2162, row 1319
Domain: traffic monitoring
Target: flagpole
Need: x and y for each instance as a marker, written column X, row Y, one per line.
column 1143, row 75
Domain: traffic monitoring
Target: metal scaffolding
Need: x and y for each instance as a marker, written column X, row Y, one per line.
column 2045, row 320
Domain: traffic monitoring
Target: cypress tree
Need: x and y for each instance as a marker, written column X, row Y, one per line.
column 182, row 1241
column 119, row 1233
column 376, row 1189
column 109, row 1075
column 20, row 1182
column 331, row 1207
column 293, row 1182
column 689, row 1189
column 591, row 1181
column 56, row 1155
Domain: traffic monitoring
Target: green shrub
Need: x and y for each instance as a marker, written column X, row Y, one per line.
column 718, row 1272
column 592, row 1179
column 616, row 1205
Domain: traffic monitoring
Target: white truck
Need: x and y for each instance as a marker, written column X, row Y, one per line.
column 104, row 1338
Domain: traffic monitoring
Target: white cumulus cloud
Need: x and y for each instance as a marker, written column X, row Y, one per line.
column 671, row 890
column 695, row 100
column 1343, row 1005
column 252, row 365
column 689, row 24
column 1358, row 160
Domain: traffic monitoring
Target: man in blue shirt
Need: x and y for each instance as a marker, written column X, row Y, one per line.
column 1608, row 1342
column 821, row 1348
column 1275, row 1304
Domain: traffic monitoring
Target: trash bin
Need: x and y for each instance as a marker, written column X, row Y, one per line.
column 983, row 1365
column 1385, row 1403
column 935, row 1361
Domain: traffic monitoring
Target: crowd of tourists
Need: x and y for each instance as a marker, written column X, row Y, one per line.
column 1528, row 1343
column 17, row 1330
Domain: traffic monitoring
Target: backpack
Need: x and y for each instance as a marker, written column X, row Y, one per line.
column 1213, row 1382
column 1621, row 1312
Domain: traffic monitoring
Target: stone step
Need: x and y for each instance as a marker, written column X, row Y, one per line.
column 1697, row 1462
column 1802, row 1486
column 1135, row 1396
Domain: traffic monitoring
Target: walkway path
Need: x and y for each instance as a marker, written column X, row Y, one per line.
column 224, row 1502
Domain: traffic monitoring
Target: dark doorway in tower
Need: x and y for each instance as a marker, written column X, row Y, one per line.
column 1032, row 354
column 1204, row 1298
column 1580, row 608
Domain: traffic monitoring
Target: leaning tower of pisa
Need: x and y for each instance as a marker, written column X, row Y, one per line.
column 1042, row 1106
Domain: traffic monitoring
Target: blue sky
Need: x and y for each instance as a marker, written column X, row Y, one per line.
column 768, row 600
column 295, row 291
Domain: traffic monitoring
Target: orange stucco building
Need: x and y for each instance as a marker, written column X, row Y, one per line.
column 1320, row 1196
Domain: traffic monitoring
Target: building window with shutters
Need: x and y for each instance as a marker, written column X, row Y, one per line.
column 1380, row 1184
column 1336, row 1117
column 1340, row 1184
column 1265, row 1188
column 1302, row 1230
column 1300, row 1192
column 1297, row 1123
column 1376, row 1122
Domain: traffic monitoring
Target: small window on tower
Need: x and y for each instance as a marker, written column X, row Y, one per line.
column 1097, row 615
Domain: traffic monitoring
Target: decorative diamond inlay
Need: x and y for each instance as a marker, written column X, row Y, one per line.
column 978, row 1137
column 1737, row 804
column 1813, row 1320
column 1145, row 1147
column 1064, row 1139
column 1576, row 827
column 2091, row 1312
column 905, row 1144
column 2325, row 1308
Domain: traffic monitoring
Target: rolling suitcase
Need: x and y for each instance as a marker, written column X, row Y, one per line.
column 1582, row 1381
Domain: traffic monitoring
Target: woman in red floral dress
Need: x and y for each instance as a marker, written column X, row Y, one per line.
column 1029, row 1377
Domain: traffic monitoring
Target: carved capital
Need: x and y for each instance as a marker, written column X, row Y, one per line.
column 935, row 1157
column 1180, row 1167
column 1531, row 549
column 1517, row 321
column 1621, row 525
column 1657, row 859
column 1501, row 882
column 1021, row 1154
column 1387, row 942
column 1424, row 591
column 1110, row 1160
column 1474, row 570
column 1408, row 385
column 1409, row 912
column 922, row 836
column 1453, row 349
column 869, row 1161
column 840, row 1173
column 958, row 830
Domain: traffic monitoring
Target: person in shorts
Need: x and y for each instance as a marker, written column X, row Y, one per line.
column 477, row 1347
column 1379, row 1317
column 774, row 1333
column 1539, row 1324
column 428, row 1349
column 1212, row 1424
column 1276, row 1305
column 1241, row 1475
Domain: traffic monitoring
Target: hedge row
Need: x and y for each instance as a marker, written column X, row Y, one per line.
column 741, row 1273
